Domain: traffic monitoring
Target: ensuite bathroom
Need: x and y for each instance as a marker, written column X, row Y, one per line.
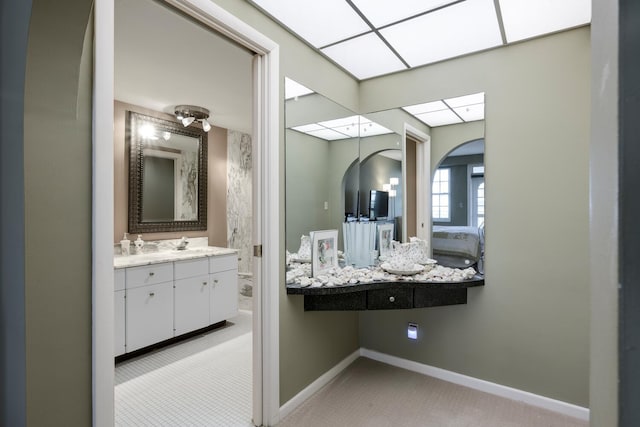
column 183, row 221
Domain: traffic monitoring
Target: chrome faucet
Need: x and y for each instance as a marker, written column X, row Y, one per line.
column 183, row 244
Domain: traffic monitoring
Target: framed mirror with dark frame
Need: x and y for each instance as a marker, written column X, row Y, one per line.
column 167, row 175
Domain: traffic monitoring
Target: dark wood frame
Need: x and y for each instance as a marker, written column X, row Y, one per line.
column 136, row 173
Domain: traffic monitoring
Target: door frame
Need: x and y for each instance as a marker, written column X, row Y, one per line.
column 266, row 228
column 423, row 180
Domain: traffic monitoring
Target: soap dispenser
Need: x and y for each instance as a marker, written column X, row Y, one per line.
column 139, row 244
column 125, row 245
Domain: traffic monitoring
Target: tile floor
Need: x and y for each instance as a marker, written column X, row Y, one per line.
column 204, row 381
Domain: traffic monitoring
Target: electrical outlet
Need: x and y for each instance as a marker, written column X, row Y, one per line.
column 412, row 331
column 326, row 206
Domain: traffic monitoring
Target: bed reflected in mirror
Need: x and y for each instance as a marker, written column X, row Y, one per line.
column 458, row 208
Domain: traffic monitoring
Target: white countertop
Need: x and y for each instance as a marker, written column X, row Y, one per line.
column 120, row 261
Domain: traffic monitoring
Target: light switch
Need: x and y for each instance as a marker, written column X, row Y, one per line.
column 326, row 206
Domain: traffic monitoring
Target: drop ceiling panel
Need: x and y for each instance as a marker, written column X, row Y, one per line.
column 383, row 12
column 420, row 31
column 365, row 56
column 439, row 118
column 453, row 31
column 524, row 19
column 425, row 108
column 319, row 22
column 470, row 113
column 461, row 101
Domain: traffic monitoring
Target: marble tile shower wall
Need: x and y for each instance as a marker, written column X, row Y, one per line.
column 239, row 176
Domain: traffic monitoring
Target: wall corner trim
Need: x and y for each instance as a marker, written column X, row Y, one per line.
column 315, row 386
column 481, row 385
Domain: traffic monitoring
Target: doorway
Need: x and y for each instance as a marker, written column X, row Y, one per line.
column 265, row 201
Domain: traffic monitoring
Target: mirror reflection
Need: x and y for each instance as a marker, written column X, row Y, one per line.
column 458, row 207
column 375, row 168
column 167, row 176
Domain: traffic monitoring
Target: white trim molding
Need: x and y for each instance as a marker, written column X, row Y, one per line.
column 315, row 386
column 102, row 338
column 481, row 385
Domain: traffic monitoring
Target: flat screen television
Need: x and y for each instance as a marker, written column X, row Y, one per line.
column 378, row 204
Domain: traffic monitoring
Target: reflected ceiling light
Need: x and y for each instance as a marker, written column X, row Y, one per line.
column 394, row 180
column 188, row 114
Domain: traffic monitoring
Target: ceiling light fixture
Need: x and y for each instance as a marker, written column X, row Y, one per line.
column 188, row 114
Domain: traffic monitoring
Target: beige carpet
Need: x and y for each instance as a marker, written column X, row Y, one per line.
column 373, row 394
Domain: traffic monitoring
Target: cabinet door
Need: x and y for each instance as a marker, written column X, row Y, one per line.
column 191, row 298
column 224, row 295
column 149, row 312
column 118, row 320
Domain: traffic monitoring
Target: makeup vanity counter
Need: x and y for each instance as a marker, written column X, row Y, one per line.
column 160, row 296
column 385, row 294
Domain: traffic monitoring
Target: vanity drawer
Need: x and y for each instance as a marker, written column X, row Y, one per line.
column 191, row 268
column 149, row 274
column 389, row 299
column 118, row 279
column 223, row 263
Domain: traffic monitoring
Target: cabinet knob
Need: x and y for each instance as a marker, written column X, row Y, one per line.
column 215, row 280
column 151, row 294
column 392, row 299
column 151, row 273
column 204, row 283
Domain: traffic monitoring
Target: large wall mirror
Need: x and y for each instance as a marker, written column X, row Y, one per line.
column 167, row 175
column 338, row 163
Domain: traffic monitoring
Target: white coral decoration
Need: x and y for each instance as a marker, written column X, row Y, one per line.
column 416, row 251
column 304, row 252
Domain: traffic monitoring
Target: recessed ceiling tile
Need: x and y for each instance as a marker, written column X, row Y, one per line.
column 293, row 89
column 343, row 121
column 453, row 31
column 308, row 128
column 383, row 12
column 371, row 128
column 365, row 56
column 348, row 130
column 328, row 134
column 460, row 101
column 524, row 19
column 470, row 113
column 439, row 118
column 318, row 22
column 427, row 107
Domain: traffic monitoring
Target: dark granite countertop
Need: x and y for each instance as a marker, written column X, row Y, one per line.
column 477, row 280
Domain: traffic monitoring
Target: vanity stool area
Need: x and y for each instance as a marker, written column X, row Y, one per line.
column 163, row 296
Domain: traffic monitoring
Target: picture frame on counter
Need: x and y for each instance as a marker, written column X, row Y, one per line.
column 324, row 251
column 385, row 237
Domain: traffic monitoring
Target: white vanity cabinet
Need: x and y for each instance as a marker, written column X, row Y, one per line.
column 158, row 301
column 224, row 287
column 119, row 312
column 149, row 305
column 191, row 295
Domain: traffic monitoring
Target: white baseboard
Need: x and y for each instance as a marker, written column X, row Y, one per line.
column 315, row 386
column 477, row 384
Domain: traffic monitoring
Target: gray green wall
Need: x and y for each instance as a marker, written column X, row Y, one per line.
column 57, row 162
column 307, row 186
column 528, row 327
